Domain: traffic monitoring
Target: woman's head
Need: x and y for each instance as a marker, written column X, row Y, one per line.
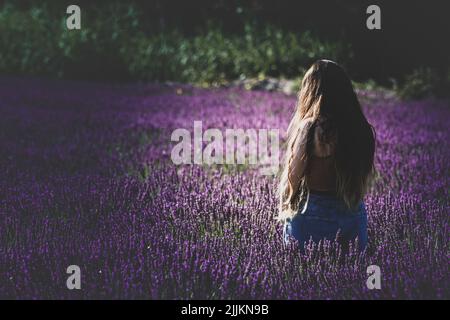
column 327, row 95
column 328, row 92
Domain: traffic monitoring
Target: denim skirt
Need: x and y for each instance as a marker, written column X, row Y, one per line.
column 322, row 216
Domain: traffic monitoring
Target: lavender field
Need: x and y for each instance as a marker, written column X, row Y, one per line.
column 87, row 179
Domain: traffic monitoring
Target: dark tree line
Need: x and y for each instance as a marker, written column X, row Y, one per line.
column 414, row 34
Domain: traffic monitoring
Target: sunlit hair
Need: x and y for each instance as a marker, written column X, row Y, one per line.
column 327, row 94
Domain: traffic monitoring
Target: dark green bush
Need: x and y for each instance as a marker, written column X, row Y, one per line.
column 27, row 44
column 111, row 45
column 424, row 82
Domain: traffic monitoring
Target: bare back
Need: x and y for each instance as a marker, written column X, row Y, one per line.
column 321, row 171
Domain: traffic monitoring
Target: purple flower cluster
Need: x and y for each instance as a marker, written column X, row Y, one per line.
column 86, row 179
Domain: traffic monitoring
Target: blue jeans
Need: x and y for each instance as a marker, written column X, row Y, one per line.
column 322, row 217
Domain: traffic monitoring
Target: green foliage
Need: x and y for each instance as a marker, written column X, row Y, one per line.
column 421, row 83
column 214, row 57
column 34, row 41
column 26, row 44
column 111, row 45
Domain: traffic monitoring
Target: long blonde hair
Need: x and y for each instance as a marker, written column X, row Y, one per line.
column 327, row 93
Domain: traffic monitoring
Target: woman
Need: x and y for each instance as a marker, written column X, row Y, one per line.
column 329, row 161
